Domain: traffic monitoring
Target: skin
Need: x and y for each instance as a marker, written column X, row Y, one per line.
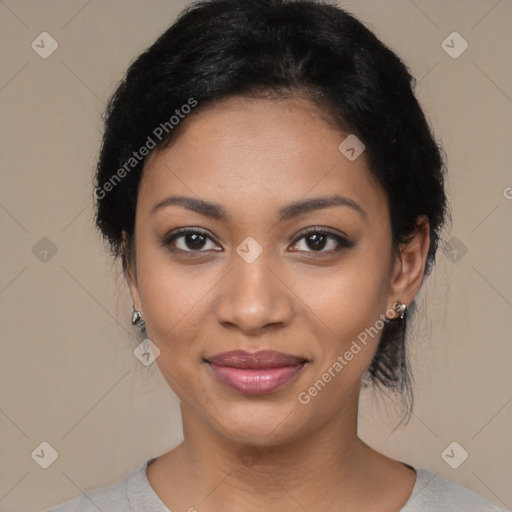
column 252, row 157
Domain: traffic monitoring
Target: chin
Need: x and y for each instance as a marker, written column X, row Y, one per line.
column 258, row 424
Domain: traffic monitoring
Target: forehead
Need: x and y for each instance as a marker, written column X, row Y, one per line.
column 258, row 153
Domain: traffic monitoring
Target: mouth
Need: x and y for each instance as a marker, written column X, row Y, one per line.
column 255, row 373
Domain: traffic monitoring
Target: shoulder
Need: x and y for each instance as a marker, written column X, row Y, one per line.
column 433, row 493
column 112, row 498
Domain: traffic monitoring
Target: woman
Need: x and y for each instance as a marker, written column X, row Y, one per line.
column 276, row 197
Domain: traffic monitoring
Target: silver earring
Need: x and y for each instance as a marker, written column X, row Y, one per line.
column 137, row 318
column 401, row 309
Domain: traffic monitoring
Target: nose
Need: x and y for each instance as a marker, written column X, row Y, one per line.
column 253, row 298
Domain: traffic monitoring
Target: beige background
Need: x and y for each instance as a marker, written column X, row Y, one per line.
column 68, row 373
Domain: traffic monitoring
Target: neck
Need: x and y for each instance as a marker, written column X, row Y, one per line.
column 318, row 467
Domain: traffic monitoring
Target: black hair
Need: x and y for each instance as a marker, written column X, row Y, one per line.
column 217, row 49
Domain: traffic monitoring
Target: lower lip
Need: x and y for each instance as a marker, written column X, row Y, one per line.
column 252, row 381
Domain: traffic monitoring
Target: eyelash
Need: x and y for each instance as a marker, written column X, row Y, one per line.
column 343, row 242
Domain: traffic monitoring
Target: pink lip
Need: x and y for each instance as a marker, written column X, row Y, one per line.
column 256, row 373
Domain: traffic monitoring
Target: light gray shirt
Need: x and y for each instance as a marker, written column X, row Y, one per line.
column 431, row 493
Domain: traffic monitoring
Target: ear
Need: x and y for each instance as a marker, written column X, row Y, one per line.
column 410, row 264
column 130, row 273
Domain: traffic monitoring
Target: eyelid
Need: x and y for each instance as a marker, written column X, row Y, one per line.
column 322, row 230
column 344, row 241
column 166, row 240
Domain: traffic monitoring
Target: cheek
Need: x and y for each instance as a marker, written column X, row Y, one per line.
column 173, row 299
column 345, row 299
column 343, row 307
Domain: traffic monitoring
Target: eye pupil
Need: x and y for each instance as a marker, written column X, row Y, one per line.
column 319, row 240
column 195, row 237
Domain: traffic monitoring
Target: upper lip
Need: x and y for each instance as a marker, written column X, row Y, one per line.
column 261, row 359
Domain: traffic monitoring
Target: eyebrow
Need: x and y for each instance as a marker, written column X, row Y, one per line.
column 287, row 212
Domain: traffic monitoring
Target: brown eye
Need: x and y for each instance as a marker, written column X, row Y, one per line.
column 323, row 242
column 188, row 240
column 318, row 241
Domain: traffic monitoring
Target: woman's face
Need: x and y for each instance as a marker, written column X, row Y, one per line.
column 251, row 278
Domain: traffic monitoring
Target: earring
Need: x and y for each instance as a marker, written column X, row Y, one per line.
column 137, row 318
column 401, row 309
